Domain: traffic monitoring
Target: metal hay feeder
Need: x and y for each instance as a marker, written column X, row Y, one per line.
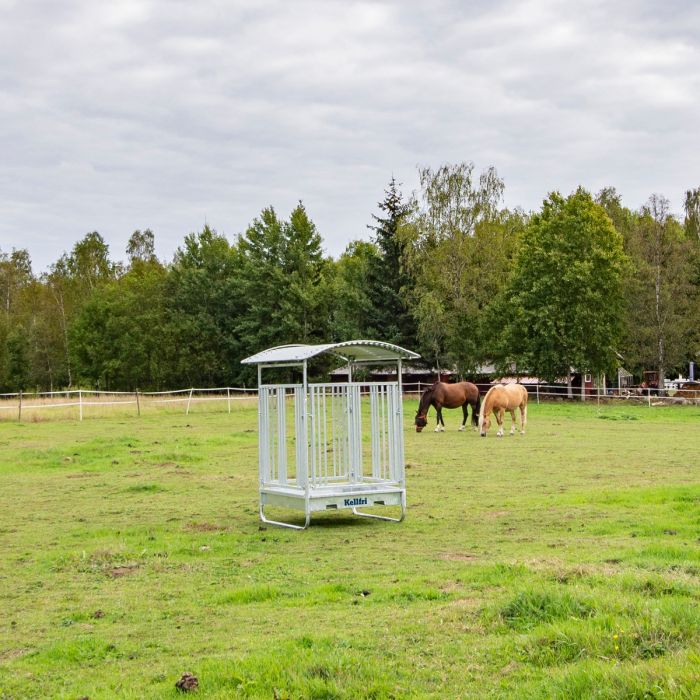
column 313, row 455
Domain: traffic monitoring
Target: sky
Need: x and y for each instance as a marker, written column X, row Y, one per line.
column 125, row 115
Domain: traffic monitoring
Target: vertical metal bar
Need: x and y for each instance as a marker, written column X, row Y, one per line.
column 304, row 475
column 263, row 440
column 281, row 436
column 399, row 425
column 228, row 398
column 272, row 421
column 374, row 430
column 357, row 432
column 300, row 437
column 319, row 423
column 391, row 422
column 325, row 439
column 382, row 430
column 187, row 411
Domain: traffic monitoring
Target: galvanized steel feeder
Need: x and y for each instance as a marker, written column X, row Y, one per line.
column 326, row 462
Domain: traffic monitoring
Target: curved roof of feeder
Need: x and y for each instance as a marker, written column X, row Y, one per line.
column 350, row 351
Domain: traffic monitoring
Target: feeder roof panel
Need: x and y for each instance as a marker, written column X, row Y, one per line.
column 350, row 350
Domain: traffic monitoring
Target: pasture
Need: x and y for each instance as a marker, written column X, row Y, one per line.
column 562, row 564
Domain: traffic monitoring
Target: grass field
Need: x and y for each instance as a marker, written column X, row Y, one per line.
column 562, row 564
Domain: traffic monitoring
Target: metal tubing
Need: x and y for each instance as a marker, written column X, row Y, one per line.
column 282, row 524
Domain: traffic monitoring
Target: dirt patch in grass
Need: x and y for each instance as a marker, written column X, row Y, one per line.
column 119, row 571
column 459, row 556
column 10, row 654
column 205, row 527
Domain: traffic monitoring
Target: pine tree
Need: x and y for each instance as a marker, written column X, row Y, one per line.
column 388, row 317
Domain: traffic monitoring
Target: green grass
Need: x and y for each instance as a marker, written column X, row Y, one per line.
column 562, row 564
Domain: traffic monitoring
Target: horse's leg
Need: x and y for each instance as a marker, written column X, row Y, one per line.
column 512, row 418
column 465, row 412
column 500, row 413
column 440, row 423
column 523, row 418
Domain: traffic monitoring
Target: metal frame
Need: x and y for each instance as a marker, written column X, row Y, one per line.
column 313, row 455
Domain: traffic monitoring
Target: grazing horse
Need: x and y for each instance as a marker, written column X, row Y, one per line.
column 499, row 399
column 442, row 395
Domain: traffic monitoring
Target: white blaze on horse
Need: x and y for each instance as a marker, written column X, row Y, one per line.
column 442, row 395
column 499, row 399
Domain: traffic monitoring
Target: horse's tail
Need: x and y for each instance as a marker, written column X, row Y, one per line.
column 482, row 412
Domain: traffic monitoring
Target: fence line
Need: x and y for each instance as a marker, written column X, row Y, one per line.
column 17, row 406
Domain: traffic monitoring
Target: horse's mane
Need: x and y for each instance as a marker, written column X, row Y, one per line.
column 424, row 403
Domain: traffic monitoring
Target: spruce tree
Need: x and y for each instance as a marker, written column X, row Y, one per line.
column 388, row 317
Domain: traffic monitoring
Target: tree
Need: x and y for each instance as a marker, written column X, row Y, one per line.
column 662, row 294
column 460, row 247
column 349, row 280
column 285, row 283
column 118, row 338
column 388, row 282
column 692, row 213
column 566, row 290
column 305, row 300
column 203, row 304
column 141, row 247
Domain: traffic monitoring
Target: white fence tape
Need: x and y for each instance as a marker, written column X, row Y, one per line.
column 18, row 403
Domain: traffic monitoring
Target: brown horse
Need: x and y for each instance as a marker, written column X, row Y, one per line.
column 442, row 395
column 689, row 390
column 499, row 399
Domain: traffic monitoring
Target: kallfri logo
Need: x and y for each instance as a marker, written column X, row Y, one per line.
column 355, row 501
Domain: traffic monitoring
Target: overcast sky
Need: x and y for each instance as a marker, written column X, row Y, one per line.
column 125, row 115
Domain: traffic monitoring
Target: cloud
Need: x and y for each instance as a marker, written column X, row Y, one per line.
column 128, row 115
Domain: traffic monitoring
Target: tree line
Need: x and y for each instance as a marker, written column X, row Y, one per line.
column 449, row 271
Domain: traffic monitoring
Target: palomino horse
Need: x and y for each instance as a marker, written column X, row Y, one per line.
column 442, row 395
column 499, row 399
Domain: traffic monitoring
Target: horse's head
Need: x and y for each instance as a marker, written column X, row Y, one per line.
column 421, row 421
column 484, row 423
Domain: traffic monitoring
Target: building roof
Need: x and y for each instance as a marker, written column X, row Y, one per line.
column 357, row 351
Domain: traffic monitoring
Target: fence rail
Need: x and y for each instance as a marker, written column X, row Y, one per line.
column 81, row 403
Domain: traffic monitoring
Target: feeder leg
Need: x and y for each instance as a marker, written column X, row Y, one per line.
column 281, row 524
column 383, row 517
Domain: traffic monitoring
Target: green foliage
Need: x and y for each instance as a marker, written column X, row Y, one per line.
column 389, row 285
column 350, row 291
column 118, row 335
column 461, row 245
column 438, row 276
column 566, row 290
column 285, row 283
column 662, row 293
column 203, row 299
